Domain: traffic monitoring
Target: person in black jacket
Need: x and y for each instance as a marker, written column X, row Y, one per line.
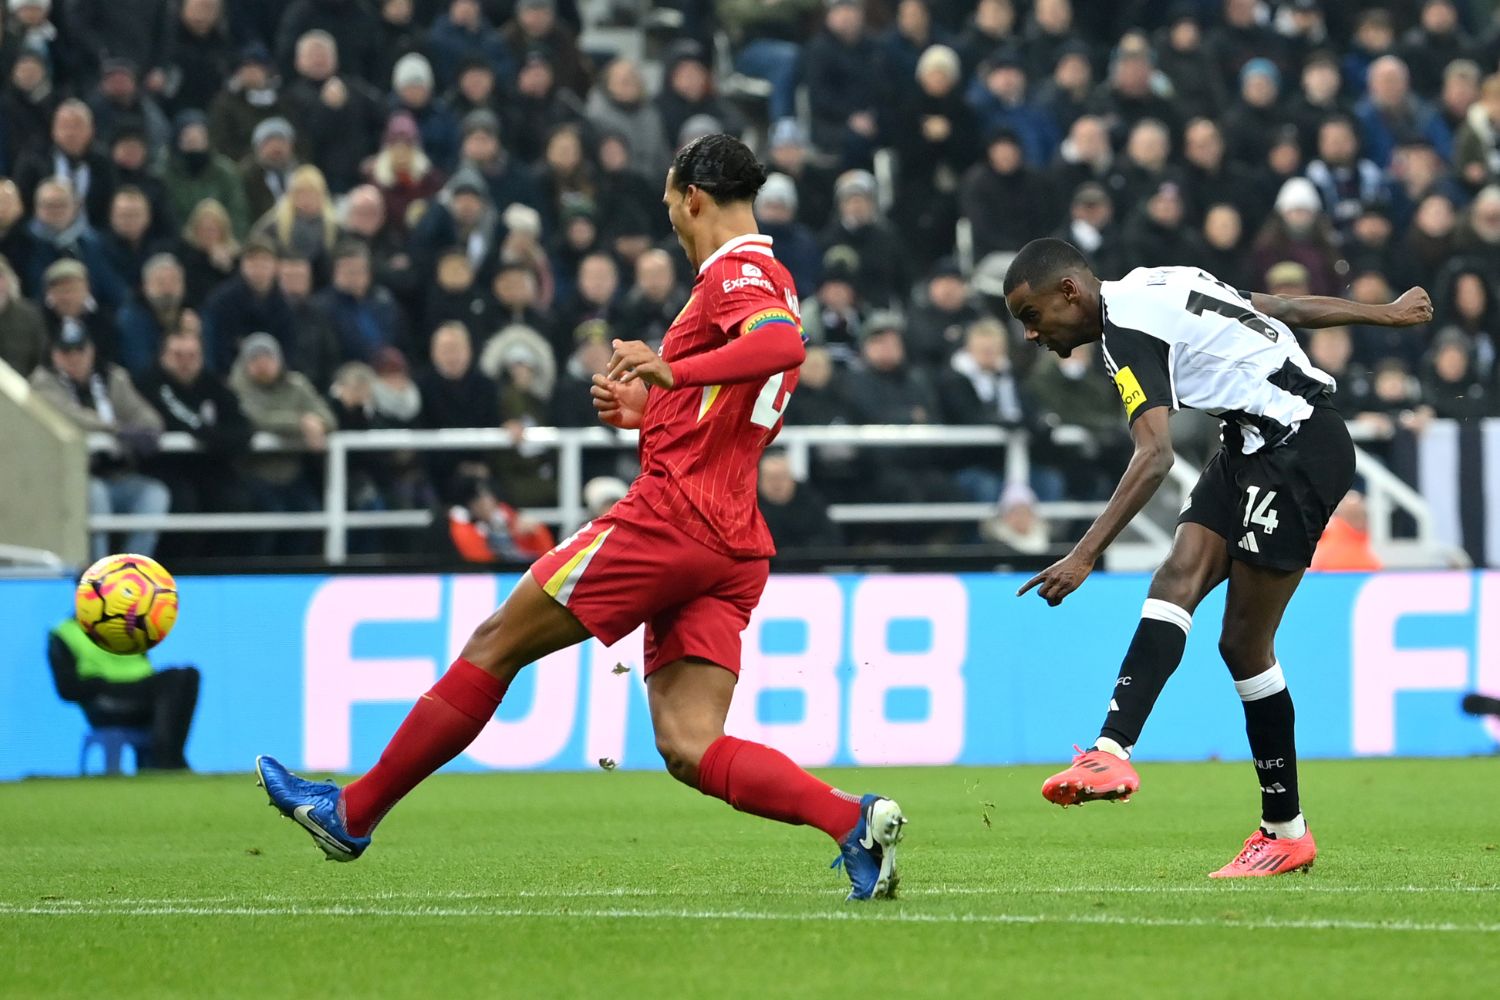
column 979, row 387
column 455, row 393
column 71, row 155
column 935, row 142
column 338, row 115
column 842, row 69
column 795, row 513
column 349, row 23
column 192, row 399
column 248, row 303
column 1006, row 201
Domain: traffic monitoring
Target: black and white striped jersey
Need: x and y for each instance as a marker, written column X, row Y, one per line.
column 1179, row 337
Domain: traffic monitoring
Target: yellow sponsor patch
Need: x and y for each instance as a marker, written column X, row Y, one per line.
column 1131, row 393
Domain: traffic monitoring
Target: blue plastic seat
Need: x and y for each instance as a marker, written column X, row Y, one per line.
column 112, row 740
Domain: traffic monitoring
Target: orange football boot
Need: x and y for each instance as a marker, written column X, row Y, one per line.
column 1094, row 776
column 1263, row 855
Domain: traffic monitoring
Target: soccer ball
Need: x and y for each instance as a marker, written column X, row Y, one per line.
column 126, row 603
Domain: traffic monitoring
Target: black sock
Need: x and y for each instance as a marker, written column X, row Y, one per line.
column 1270, row 722
column 1153, row 654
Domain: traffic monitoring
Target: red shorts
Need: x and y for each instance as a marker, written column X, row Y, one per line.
column 632, row 566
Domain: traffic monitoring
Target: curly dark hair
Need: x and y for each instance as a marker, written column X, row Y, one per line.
column 720, row 165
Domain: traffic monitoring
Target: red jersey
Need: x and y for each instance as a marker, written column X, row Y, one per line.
column 701, row 444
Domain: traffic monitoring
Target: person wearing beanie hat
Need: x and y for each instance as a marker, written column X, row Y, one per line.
column 796, row 245
column 1299, row 232
column 267, row 170
column 404, row 173
column 934, row 136
column 195, row 173
column 415, row 95
column 1256, row 113
column 120, row 98
column 251, row 95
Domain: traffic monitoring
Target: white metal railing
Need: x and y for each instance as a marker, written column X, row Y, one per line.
column 1386, row 492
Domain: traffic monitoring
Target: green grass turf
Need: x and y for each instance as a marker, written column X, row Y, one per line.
column 626, row 884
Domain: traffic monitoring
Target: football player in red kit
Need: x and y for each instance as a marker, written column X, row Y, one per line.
column 685, row 552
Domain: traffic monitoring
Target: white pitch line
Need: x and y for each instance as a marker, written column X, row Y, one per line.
column 1259, row 891
column 829, row 916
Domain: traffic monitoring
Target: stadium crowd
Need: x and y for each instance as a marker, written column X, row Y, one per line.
column 296, row 216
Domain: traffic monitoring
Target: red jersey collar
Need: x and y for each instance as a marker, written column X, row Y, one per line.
column 750, row 242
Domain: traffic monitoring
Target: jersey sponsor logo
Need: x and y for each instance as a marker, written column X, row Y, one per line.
column 1131, row 393
column 733, row 284
column 751, row 271
column 769, row 317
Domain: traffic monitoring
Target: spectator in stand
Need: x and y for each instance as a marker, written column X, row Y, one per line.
column 1479, row 235
column 619, row 104
column 1391, row 111
column 1069, row 392
column 790, row 155
column 882, row 274
column 146, row 318
column 654, row 301
column 1065, row 95
column 821, row 403
column 1048, row 34
column 520, row 362
column 1374, row 344
column 1208, row 177
column 248, row 303
column 118, row 99
column 629, row 199
column 597, row 291
column 536, row 26
column 1319, row 99
column 981, row 386
column 1085, row 156
column 59, row 231
column 688, row 91
column 23, row 332
column 1416, row 171
column 363, row 315
column 316, row 348
column 456, row 297
column 208, row 250
column 901, row 46
column 97, row 396
column 941, row 317
column 537, row 106
column 349, row 27
column 485, row 530
column 795, row 513
column 464, row 33
column 1127, row 96
column 137, row 30
column 1006, row 201
column 1017, row 524
column 1374, row 37
column 474, row 89
column 842, row 71
column 1345, row 545
column 1347, row 183
column 1465, row 300
column 1477, row 147
column 199, row 52
column 338, row 116
column 1241, row 39
column 28, row 103
column 1298, row 232
column 796, row 246
column 252, row 96
column 400, row 33
column 460, row 216
column 192, row 400
column 506, row 179
column 1091, row 228
column 1396, row 402
column 1460, row 91
column 303, row 221
column 455, row 393
column 1145, row 166
column 280, row 402
column 68, row 302
column 1332, row 350
column 1256, row 113
column 266, row 173
column 833, row 318
column 362, row 214
column 572, row 406
column 73, row 158
column 999, row 99
column 404, row 174
column 128, row 243
column 1432, row 45
column 1224, row 245
column 1156, row 231
column 992, row 26
column 1450, row 383
column 935, row 143
column 564, row 174
column 1184, row 58
column 130, row 156
column 1370, row 246
column 195, row 173
column 398, row 401
column 415, row 96
column 513, row 300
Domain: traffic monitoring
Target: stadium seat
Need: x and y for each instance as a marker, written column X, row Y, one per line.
column 112, row 740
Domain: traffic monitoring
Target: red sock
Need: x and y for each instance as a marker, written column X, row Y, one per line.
column 764, row 782
column 440, row 725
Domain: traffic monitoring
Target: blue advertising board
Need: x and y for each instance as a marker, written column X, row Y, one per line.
column 854, row 669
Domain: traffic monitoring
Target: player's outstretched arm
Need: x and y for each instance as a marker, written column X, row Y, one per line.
column 1311, row 312
column 1148, row 467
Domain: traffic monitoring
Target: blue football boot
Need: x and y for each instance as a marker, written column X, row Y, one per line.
column 868, row 854
column 313, row 804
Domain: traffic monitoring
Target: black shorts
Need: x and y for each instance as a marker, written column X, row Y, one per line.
column 1271, row 507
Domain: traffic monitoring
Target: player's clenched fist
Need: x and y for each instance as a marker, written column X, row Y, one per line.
column 634, row 360
column 619, row 404
column 1413, row 308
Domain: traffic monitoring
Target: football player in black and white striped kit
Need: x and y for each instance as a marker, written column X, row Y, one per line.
column 1173, row 338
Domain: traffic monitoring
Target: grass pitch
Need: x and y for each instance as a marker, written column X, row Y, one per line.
column 628, row 885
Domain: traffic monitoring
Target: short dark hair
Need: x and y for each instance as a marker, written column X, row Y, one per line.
column 721, row 165
column 1042, row 262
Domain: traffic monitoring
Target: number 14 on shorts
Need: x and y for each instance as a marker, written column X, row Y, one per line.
column 1260, row 514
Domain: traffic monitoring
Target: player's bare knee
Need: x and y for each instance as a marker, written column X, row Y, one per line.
column 681, row 757
column 1244, row 654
